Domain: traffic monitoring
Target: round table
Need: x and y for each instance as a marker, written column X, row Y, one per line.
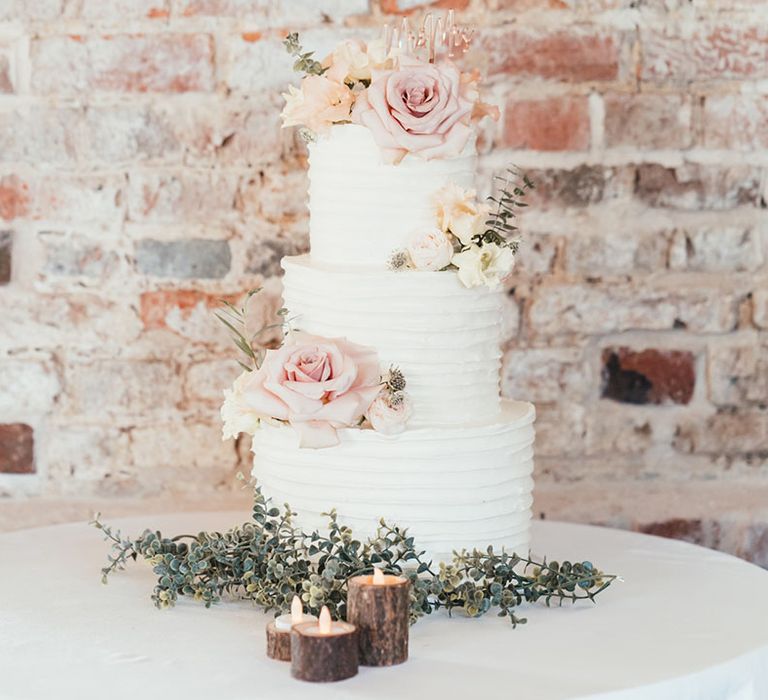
column 686, row 622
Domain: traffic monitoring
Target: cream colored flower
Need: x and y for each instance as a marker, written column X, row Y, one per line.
column 348, row 62
column 379, row 58
column 487, row 265
column 317, row 105
column 430, row 249
column 466, row 226
column 236, row 415
column 388, row 414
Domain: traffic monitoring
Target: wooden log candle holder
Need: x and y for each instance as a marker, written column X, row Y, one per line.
column 279, row 631
column 324, row 651
column 278, row 643
column 379, row 606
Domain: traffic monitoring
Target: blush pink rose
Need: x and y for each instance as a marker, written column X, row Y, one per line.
column 315, row 384
column 420, row 108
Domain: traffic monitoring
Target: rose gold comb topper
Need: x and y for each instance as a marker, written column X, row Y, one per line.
column 438, row 37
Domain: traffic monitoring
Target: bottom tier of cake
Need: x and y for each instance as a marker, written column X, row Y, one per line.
column 454, row 488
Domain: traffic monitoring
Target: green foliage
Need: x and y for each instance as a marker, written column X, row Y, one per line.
column 500, row 228
column 268, row 560
column 236, row 320
column 304, row 62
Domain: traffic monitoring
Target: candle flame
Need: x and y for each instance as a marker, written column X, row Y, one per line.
column 378, row 577
column 324, row 623
column 297, row 612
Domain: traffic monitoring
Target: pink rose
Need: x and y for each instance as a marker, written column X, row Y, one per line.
column 420, row 108
column 316, row 384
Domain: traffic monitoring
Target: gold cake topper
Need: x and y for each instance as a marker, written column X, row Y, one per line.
column 437, row 37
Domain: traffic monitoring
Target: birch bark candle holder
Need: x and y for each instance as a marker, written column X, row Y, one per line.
column 279, row 631
column 379, row 606
column 324, row 651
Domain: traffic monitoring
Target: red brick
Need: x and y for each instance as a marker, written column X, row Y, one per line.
column 676, row 529
column 6, row 245
column 17, row 449
column 14, row 198
column 736, row 121
column 407, row 7
column 123, row 63
column 720, row 52
column 647, row 121
column 155, row 306
column 569, row 55
column 5, row 75
column 551, row 124
column 648, row 376
column 116, row 11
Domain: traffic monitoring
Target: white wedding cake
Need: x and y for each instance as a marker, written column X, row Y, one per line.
column 443, row 455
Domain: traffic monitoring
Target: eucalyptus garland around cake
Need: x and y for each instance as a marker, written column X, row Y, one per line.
column 268, row 560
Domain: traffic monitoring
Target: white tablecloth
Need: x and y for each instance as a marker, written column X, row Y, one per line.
column 686, row 623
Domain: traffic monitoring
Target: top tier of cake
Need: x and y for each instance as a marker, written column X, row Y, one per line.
column 362, row 209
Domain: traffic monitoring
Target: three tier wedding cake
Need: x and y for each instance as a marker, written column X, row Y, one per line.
column 383, row 401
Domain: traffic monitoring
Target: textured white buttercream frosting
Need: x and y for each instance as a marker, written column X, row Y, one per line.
column 360, row 208
column 452, row 487
column 444, row 337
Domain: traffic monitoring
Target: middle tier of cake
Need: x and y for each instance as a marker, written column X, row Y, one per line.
column 444, row 337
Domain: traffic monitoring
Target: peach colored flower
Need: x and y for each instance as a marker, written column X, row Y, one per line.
column 458, row 211
column 417, row 109
column 430, row 249
column 470, row 89
column 388, row 414
column 317, row 105
column 315, row 384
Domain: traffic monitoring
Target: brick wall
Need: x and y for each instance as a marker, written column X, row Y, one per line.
column 143, row 174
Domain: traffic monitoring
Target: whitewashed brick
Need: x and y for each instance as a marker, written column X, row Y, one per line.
column 29, row 389
column 185, row 196
column 717, row 249
column 545, row 374
column 105, row 388
column 206, row 381
column 592, row 309
column 80, row 459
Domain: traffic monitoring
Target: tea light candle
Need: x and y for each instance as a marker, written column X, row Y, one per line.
column 379, row 606
column 324, row 651
column 279, row 631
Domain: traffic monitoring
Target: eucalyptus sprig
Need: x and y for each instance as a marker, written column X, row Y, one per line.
column 236, row 320
column 304, row 62
column 268, row 560
column 500, row 228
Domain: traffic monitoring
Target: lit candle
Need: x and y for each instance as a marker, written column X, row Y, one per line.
column 297, row 615
column 379, row 606
column 279, row 631
column 324, row 651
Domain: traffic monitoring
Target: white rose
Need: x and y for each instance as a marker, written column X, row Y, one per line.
column 236, row 415
column 430, row 249
column 487, row 265
column 388, row 414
